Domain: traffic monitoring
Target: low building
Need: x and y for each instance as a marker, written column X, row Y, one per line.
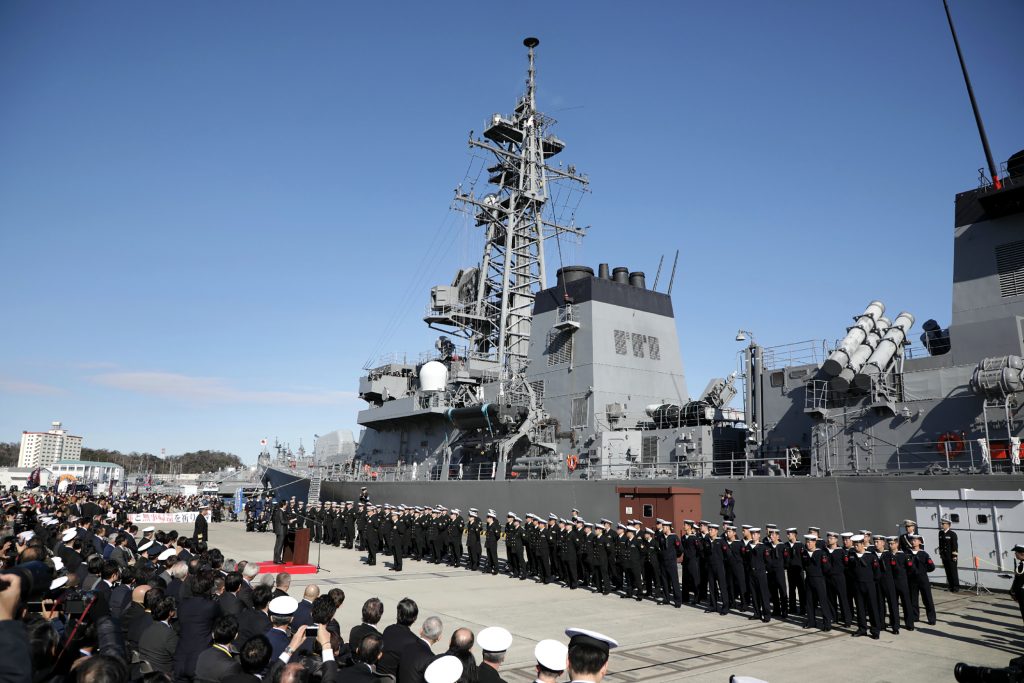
column 88, row 471
column 42, row 449
column 18, row 476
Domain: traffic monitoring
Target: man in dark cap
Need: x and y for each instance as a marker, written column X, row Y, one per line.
column 1017, row 587
column 588, row 655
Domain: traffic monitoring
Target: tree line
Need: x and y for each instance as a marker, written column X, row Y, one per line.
column 187, row 463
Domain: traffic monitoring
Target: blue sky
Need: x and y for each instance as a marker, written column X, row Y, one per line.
column 210, row 211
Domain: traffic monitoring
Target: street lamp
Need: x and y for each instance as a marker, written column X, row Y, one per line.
column 741, row 335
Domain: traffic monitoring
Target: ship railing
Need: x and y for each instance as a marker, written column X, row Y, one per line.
column 807, row 352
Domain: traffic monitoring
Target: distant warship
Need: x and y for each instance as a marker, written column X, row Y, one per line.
column 584, row 379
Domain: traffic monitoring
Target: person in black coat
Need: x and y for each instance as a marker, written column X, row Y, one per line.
column 395, row 540
column 255, row 621
column 757, row 557
column 280, row 528
column 718, row 562
column 473, row 530
column 416, row 657
column 373, row 610
column 253, row 658
column 920, row 586
column 817, row 566
column 201, row 531
column 398, row 636
column 196, row 616
column 229, row 601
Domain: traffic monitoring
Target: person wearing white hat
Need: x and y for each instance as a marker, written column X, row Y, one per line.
column 551, row 657
column 948, row 551
column 920, row 586
column 588, row 653
column 491, row 544
column 494, row 642
column 474, row 527
column 865, row 575
column 281, row 610
column 817, row 565
column 446, row 669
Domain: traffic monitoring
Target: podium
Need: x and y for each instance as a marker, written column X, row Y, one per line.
column 296, row 547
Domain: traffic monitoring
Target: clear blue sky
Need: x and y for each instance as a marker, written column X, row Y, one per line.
column 209, row 211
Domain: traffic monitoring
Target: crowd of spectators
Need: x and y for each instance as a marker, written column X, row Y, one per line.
column 87, row 596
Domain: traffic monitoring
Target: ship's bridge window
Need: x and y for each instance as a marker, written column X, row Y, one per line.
column 638, row 344
column 620, row 342
column 648, row 510
column 778, row 379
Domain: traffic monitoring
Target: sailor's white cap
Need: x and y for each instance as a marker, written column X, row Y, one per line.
column 858, row 538
column 494, row 639
column 26, row 536
column 551, row 654
column 582, row 636
column 283, row 606
column 746, row 526
column 847, row 534
column 491, row 513
column 68, row 535
column 58, row 564
column 712, row 526
column 552, row 515
column 632, row 528
column 58, row 582
column 446, row 669
column 755, row 530
column 811, row 537
column 165, row 555
column 472, row 512
column 659, row 520
column 147, row 529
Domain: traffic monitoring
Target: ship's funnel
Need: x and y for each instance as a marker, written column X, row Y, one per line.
column 571, row 274
column 621, row 275
column 638, row 279
column 885, row 351
column 602, row 272
column 863, row 324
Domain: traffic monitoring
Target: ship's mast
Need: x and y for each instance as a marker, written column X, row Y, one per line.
column 511, row 272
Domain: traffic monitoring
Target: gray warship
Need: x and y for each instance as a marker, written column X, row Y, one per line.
column 573, row 393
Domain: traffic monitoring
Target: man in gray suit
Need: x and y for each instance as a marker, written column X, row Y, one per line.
column 159, row 642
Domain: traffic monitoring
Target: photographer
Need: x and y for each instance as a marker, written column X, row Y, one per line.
column 728, row 506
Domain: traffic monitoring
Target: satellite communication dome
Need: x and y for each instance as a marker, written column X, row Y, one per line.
column 433, row 376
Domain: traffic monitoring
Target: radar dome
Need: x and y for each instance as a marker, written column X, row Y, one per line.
column 433, row 376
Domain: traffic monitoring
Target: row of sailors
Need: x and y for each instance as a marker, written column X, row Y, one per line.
column 841, row 577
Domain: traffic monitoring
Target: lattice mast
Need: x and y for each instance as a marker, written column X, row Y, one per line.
column 512, row 268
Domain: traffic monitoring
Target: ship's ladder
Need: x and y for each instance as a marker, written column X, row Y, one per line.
column 314, row 490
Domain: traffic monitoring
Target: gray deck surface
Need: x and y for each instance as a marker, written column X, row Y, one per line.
column 658, row 643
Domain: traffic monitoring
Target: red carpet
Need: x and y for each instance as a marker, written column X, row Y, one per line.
column 271, row 568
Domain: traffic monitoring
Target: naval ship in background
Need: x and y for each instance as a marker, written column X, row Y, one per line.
column 549, row 396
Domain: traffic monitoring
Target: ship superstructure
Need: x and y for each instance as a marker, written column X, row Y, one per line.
column 581, row 379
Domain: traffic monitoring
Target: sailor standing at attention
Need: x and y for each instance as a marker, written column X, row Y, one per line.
column 1017, row 587
column 948, row 552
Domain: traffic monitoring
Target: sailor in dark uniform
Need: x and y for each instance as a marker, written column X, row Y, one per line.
column 201, row 531
column 865, row 591
column 838, row 593
column 691, row 562
column 911, row 528
column 920, row 586
column 491, row 544
column 397, row 530
column 671, row 549
column 719, row 554
column 1017, row 587
column 948, row 551
column 473, row 530
column 795, row 573
column 899, row 564
column 737, row 569
column 817, row 566
column 600, row 546
column 777, row 575
column 758, row 557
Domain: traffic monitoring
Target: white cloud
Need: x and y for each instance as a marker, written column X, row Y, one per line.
column 212, row 389
column 17, row 386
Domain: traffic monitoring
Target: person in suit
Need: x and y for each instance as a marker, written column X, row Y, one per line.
column 255, row 621
column 159, row 642
column 120, row 553
column 282, row 584
column 365, row 659
column 196, row 616
column 373, row 610
column 201, row 530
column 216, row 662
column 140, row 616
column 398, row 636
column 1017, row 587
column 249, row 574
column 416, row 657
column 253, row 658
column 280, row 528
column 948, row 551
column 229, row 602
column 303, row 613
column 494, row 642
